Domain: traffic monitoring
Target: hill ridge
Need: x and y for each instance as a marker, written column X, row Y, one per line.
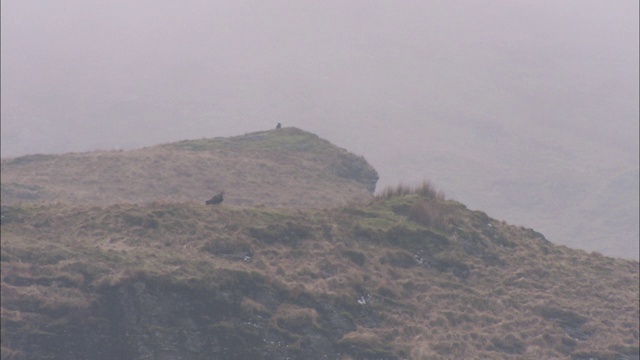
column 287, row 167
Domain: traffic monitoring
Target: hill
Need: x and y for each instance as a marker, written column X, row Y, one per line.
column 410, row 275
column 114, row 255
column 284, row 168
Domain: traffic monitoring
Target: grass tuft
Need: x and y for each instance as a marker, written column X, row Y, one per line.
column 430, row 209
column 425, row 190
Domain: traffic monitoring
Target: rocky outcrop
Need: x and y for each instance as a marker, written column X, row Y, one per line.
column 243, row 319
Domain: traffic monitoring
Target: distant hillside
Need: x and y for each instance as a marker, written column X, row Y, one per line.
column 407, row 276
column 281, row 168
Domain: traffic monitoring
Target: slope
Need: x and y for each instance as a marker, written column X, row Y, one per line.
column 409, row 275
column 281, row 168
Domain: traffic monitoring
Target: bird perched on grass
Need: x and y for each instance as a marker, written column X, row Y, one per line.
column 216, row 199
column 278, row 126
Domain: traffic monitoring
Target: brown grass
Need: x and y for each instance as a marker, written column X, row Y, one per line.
column 286, row 169
column 522, row 297
column 425, row 190
column 430, row 209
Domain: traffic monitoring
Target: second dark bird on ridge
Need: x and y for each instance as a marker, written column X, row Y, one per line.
column 216, row 199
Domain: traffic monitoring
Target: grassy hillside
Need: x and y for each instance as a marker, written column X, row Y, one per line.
column 409, row 275
column 284, row 168
column 550, row 179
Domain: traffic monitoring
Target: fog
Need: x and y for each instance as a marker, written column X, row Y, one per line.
column 527, row 110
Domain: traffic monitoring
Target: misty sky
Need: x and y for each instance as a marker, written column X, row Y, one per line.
column 442, row 90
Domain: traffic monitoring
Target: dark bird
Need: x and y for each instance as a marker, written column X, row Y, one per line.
column 278, row 126
column 216, row 199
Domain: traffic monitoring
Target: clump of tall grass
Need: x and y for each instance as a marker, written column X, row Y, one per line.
column 425, row 190
column 430, row 209
column 432, row 214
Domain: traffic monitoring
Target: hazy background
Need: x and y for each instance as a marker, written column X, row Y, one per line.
column 527, row 110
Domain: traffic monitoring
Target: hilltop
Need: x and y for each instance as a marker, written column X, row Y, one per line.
column 287, row 167
column 407, row 274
